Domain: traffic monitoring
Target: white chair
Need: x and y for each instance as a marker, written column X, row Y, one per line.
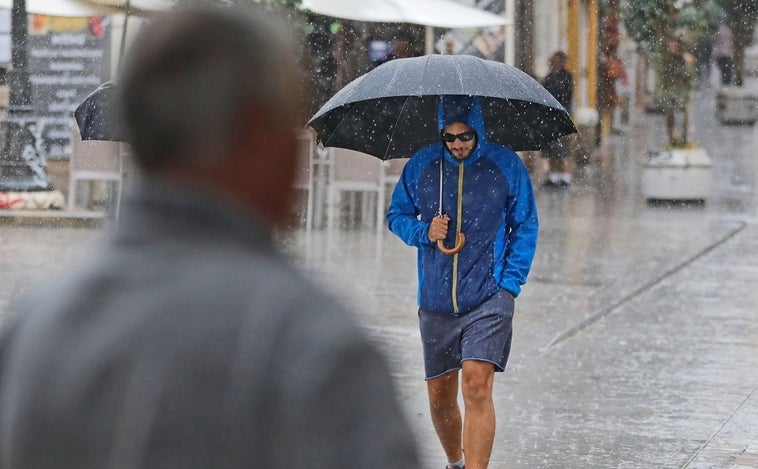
column 322, row 163
column 96, row 160
column 388, row 177
column 304, row 173
column 355, row 173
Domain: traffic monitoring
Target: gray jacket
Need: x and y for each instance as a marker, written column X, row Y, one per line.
column 186, row 341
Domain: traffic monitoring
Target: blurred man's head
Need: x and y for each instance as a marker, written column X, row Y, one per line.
column 210, row 97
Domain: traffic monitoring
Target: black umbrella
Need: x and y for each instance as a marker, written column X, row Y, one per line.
column 97, row 116
column 391, row 111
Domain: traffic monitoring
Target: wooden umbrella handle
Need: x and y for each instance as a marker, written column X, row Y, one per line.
column 460, row 240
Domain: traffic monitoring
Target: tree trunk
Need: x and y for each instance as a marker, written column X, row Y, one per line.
column 739, row 65
column 671, row 130
column 525, row 36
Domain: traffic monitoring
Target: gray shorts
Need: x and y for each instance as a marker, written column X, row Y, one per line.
column 483, row 334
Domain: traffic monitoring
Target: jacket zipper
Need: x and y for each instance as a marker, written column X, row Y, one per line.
column 458, row 223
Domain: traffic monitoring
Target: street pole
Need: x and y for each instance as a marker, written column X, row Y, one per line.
column 593, row 13
column 524, row 22
column 510, row 32
column 22, row 168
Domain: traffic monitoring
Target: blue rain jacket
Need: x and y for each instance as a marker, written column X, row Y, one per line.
column 499, row 219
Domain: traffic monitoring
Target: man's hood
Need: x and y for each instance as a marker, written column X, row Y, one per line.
column 460, row 108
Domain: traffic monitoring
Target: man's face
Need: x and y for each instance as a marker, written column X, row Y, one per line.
column 458, row 148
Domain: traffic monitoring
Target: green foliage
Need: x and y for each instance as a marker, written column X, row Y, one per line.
column 667, row 32
column 656, row 24
column 647, row 20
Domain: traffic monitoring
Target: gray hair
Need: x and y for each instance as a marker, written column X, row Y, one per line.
column 190, row 74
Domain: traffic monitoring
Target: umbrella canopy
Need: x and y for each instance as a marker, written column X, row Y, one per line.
column 97, row 116
column 439, row 13
column 391, row 112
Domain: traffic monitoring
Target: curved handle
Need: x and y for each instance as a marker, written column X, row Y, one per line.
column 460, row 240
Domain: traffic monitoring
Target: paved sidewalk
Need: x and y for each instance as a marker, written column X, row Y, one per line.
column 645, row 359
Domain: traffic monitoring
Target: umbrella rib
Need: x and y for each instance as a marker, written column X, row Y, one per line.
column 325, row 142
column 426, row 68
column 394, row 127
column 460, row 76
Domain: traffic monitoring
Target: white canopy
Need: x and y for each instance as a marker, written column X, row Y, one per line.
column 438, row 13
column 134, row 5
column 78, row 8
column 71, row 8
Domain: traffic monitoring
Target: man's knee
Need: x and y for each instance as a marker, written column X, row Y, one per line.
column 477, row 380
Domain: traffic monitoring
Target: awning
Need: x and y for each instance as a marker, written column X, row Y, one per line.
column 436, row 13
column 71, row 8
column 134, row 6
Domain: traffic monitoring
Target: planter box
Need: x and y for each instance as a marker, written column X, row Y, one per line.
column 677, row 175
column 737, row 105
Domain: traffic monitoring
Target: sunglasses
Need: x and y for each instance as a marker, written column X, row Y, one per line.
column 464, row 137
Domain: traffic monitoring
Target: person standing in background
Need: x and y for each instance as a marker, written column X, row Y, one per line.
column 610, row 69
column 703, row 56
column 723, row 52
column 560, row 84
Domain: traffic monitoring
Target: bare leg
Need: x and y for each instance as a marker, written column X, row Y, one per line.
column 446, row 415
column 554, row 164
column 479, row 423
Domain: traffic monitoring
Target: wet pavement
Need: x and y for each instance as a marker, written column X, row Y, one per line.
column 636, row 337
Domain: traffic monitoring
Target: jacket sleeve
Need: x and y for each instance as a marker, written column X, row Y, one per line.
column 403, row 212
column 522, row 228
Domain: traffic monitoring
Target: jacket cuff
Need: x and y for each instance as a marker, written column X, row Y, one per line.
column 424, row 235
column 511, row 287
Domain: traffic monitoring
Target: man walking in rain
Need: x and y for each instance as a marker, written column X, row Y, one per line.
column 185, row 340
column 476, row 195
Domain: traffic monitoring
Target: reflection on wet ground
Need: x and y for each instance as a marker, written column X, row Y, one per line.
column 28, row 253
